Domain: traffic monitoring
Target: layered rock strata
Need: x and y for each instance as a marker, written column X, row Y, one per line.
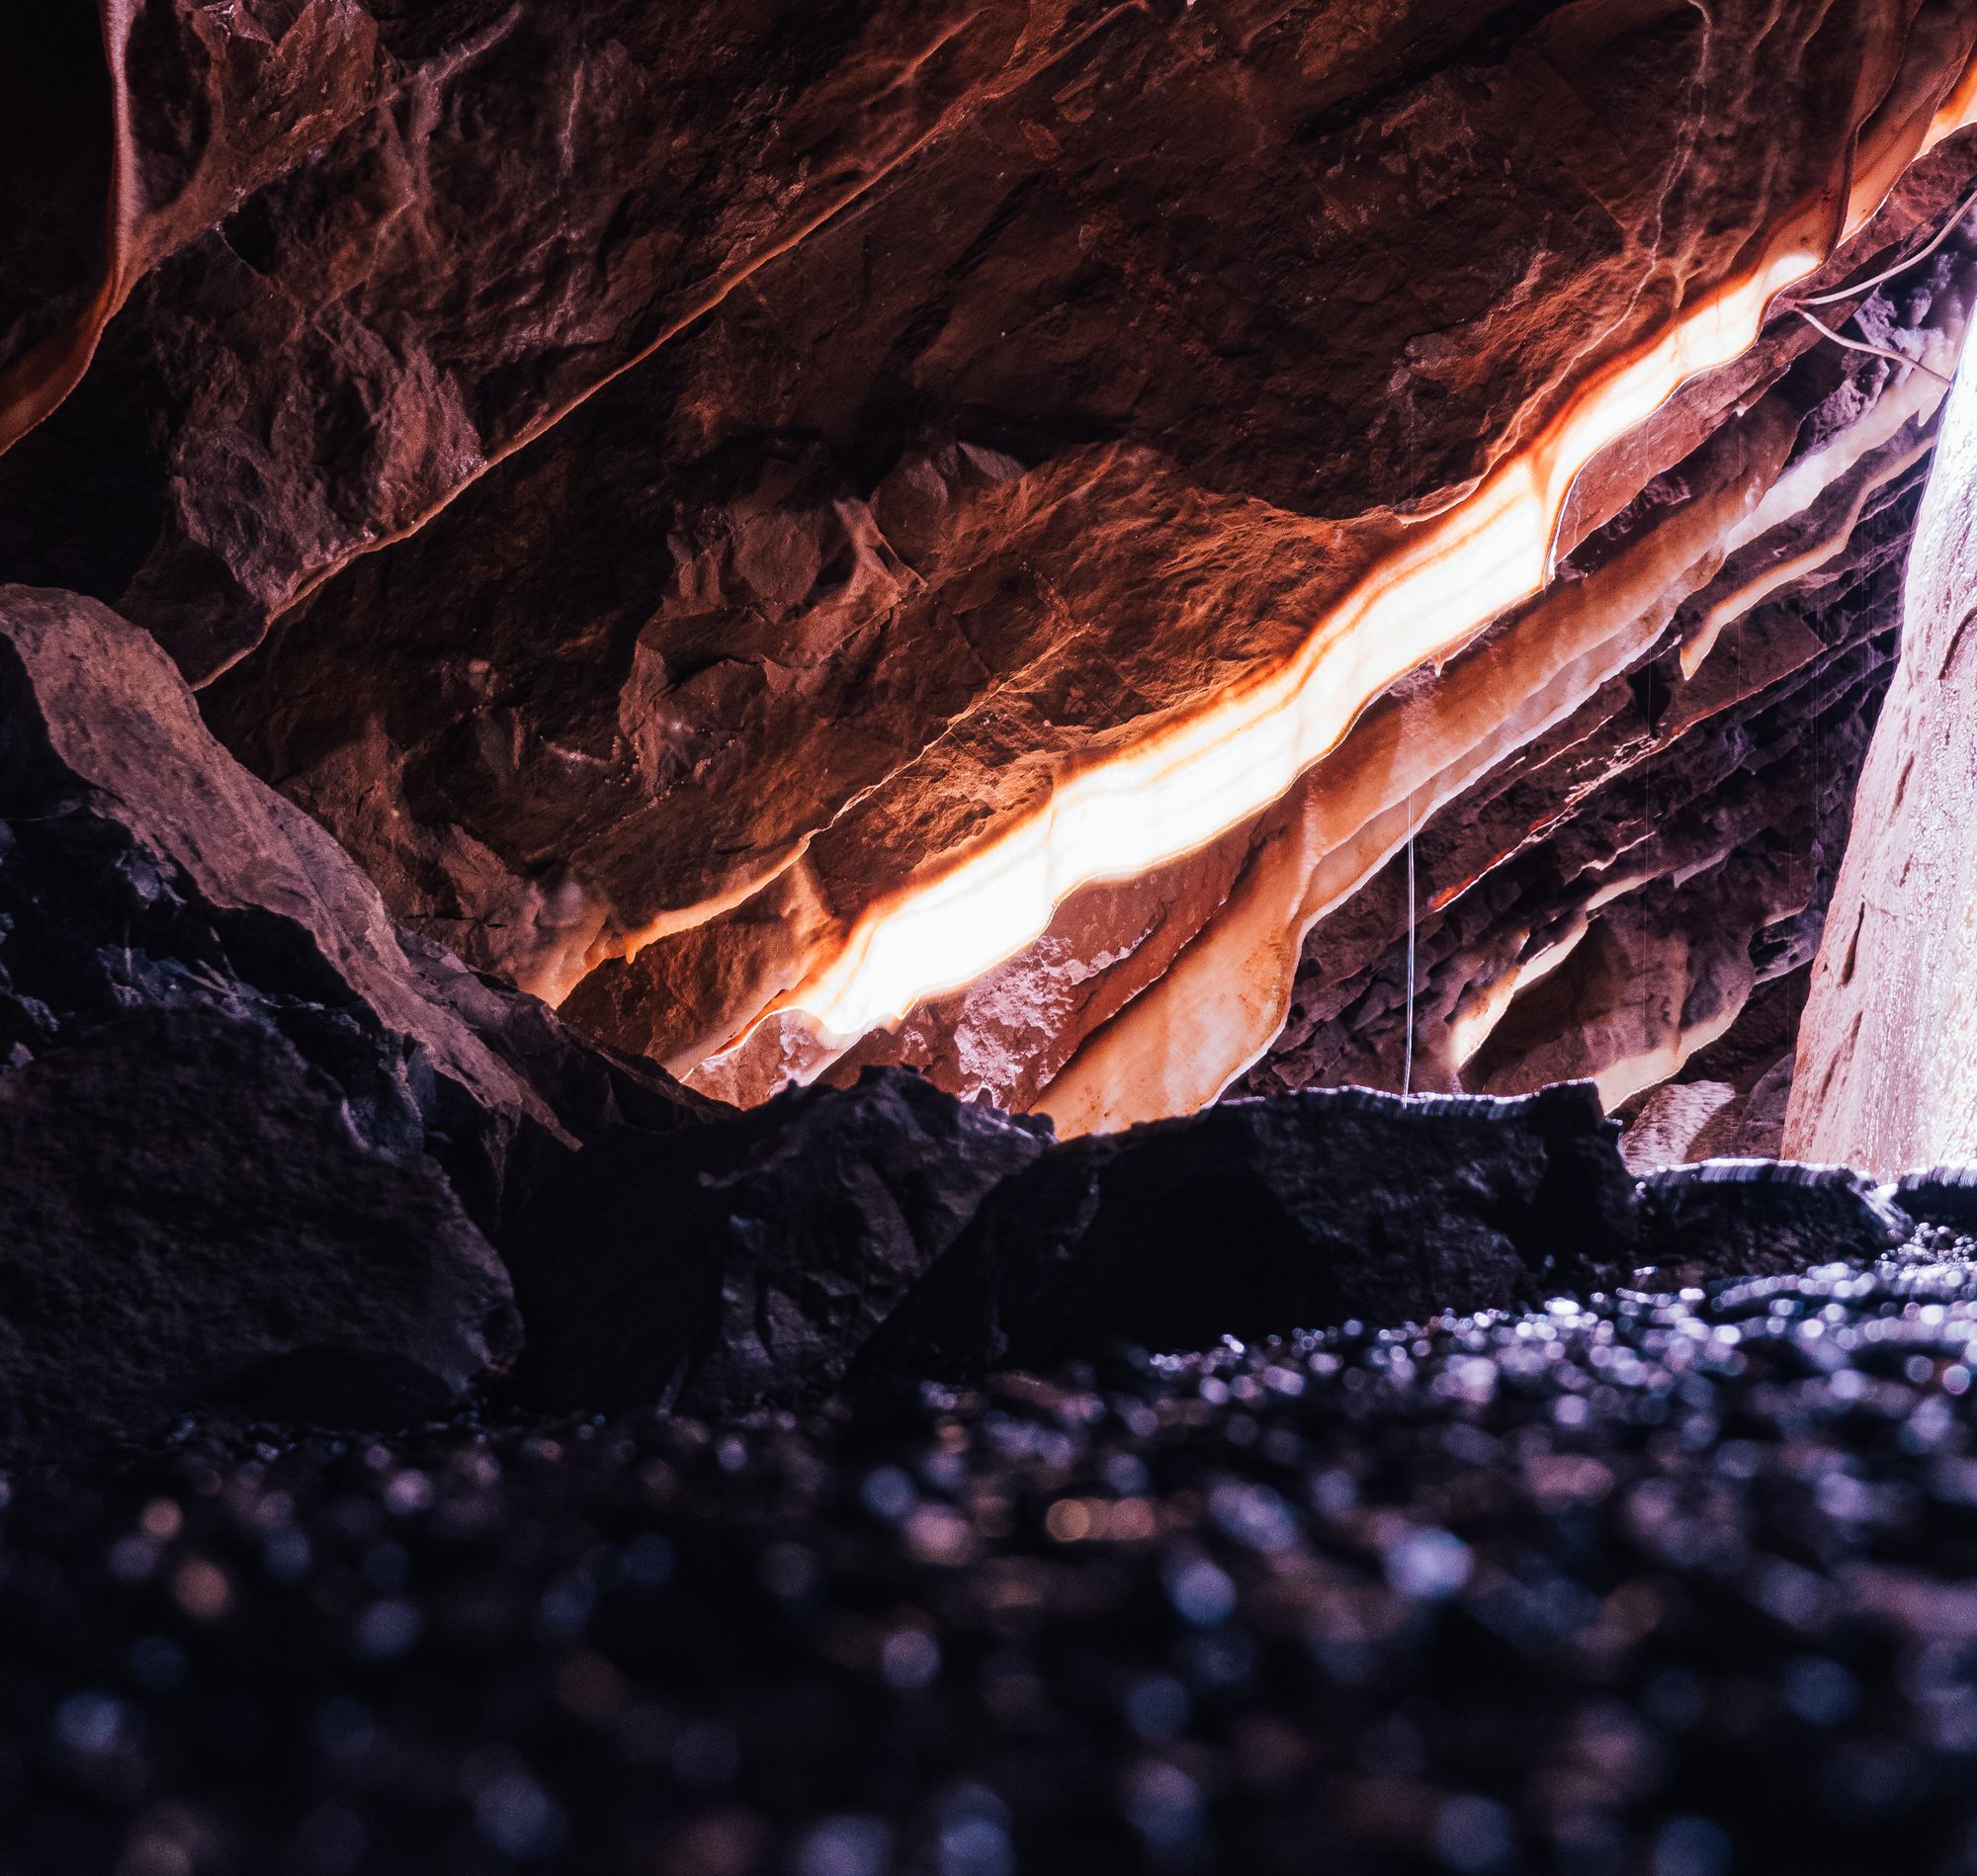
column 827, row 597
column 264, row 1156
column 756, row 527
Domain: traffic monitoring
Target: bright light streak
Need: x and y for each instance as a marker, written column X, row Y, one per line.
column 1194, row 780
column 1140, row 807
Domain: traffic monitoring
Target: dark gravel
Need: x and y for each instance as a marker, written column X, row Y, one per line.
column 1672, row 1584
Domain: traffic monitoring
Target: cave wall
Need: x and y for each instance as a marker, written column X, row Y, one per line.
column 1884, row 1076
column 670, row 489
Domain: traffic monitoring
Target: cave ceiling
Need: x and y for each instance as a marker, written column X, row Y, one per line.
column 1111, row 553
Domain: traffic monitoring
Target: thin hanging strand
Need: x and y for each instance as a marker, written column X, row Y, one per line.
column 1408, row 1048
column 1872, row 351
column 1900, row 267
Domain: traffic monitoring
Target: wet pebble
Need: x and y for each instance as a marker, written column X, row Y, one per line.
column 1648, row 1584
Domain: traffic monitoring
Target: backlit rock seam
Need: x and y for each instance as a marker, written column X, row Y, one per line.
column 1181, row 789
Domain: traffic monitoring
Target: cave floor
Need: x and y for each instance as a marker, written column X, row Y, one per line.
column 1677, row 1583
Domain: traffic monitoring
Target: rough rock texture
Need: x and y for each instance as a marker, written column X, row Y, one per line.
column 141, row 866
column 837, row 581
column 362, row 250
column 888, row 1228
column 1942, row 1195
column 1613, row 899
column 748, row 1261
column 193, row 1219
column 1887, row 1071
column 673, row 494
column 1728, row 1102
column 1308, row 1209
column 1764, row 1217
column 249, row 1140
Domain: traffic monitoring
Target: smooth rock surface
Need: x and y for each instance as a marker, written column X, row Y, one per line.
column 1887, row 1056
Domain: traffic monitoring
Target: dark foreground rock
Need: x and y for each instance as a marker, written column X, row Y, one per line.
column 745, row 1263
column 1674, row 1585
column 1943, row 1195
column 888, row 1229
column 750, row 1260
column 245, row 1123
column 192, row 1217
column 1303, row 1210
column 141, row 866
column 1761, row 1216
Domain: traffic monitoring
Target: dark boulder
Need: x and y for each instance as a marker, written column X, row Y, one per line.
column 250, row 1134
column 1260, row 1216
column 141, row 866
column 192, row 1217
column 1942, row 1195
column 746, row 1262
column 1763, row 1218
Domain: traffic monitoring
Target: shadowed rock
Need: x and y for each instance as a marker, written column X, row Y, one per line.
column 747, row 1262
column 1260, row 1216
column 363, row 250
column 141, row 866
column 247, row 1136
column 1943, row 1195
column 194, row 1219
column 1764, row 1216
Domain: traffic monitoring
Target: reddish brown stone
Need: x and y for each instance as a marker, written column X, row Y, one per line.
column 1015, row 382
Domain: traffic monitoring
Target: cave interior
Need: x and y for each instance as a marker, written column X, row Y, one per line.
column 950, row 937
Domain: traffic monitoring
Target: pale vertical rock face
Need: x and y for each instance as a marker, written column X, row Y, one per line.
column 1887, row 1056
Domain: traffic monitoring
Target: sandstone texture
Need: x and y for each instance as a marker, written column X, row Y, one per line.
column 556, row 553
column 1074, row 419
column 264, row 1155
column 907, row 912
column 666, row 492
column 142, row 866
column 1886, row 1076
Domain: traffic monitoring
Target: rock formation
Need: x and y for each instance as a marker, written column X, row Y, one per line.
column 687, row 710
column 268, row 1260
column 1312, row 1208
column 873, row 877
column 577, row 566
column 265, row 1155
column 1885, row 1070
column 250, row 1135
column 748, row 1262
column 143, row 867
